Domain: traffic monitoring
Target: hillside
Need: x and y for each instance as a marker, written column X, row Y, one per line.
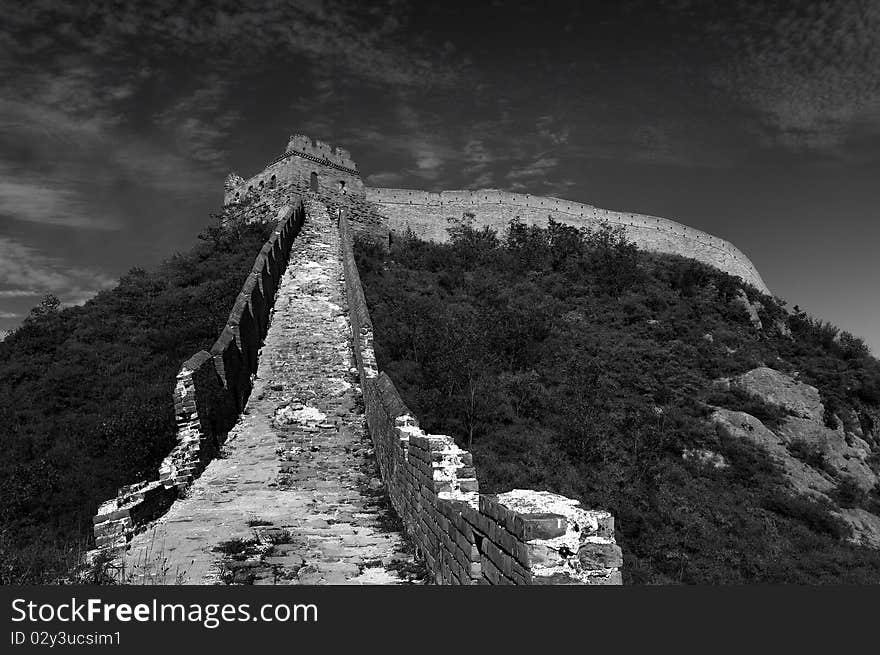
column 734, row 441
column 85, row 395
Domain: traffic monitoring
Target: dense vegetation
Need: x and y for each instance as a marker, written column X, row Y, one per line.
column 569, row 360
column 86, row 395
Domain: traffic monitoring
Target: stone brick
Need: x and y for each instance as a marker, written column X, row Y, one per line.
column 539, row 526
column 600, row 555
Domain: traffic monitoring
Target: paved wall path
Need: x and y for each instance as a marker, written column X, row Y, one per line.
column 297, row 498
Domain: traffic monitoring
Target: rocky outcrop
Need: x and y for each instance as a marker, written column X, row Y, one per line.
column 814, row 458
column 775, row 388
column 846, row 457
column 745, row 427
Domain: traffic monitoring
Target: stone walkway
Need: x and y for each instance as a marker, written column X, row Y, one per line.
column 297, row 498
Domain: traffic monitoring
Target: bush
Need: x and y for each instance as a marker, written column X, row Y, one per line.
column 849, row 493
column 809, row 512
column 810, row 454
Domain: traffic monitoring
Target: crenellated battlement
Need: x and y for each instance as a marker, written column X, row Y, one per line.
column 306, row 166
column 304, row 145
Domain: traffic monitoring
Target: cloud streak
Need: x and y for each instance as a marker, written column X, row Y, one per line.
column 25, row 271
column 37, row 202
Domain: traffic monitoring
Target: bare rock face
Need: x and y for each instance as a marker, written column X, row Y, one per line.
column 740, row 425
column 775, row 388
column 841, row 453
column 845, row 457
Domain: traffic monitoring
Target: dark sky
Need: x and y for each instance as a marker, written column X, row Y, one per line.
column 757, row 122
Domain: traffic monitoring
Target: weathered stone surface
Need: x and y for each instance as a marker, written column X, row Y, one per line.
column 600, row 555
column 739, row 425
column 847, row 460
column 775, row 388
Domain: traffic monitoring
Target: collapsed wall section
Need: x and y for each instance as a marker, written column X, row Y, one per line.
column 520, row 537
column 428, row 215
column 210, row 392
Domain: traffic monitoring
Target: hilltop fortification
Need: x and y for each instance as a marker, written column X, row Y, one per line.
column 331, row 173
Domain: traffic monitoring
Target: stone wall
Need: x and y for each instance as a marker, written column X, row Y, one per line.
column 519, row 537
column 428, row 215
column 210, row 392
column 292, row 172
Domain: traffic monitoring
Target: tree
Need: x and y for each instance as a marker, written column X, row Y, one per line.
column 48, row 306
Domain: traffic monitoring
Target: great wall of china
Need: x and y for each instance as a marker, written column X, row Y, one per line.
column 314, row 438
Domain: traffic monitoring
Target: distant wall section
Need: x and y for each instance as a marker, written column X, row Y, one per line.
column 428, row 215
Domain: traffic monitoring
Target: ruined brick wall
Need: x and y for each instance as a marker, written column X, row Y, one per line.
column 428, row 215
column 520, row 537
column 210, row 392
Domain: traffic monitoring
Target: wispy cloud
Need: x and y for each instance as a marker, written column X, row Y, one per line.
column 37, row 202
column 25, row 271
column 202, row 121
column 812, row 72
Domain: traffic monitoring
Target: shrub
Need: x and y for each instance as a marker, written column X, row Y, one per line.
column 809, row 512
column 810, row 454
column 849, row 493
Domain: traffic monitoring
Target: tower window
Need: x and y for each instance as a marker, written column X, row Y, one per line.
column 313, row 182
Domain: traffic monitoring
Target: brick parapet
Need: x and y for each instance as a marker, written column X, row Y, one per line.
column 464, row 537
column 210, row 391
